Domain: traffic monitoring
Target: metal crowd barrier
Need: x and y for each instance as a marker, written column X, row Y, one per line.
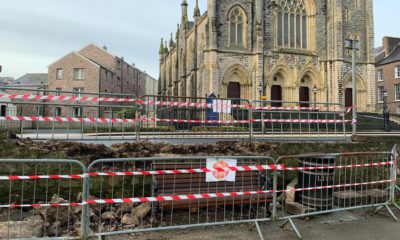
column 41, row 198
column 120, row 196
column 102, row 116
column 180, row 192
column 316, row 184
column 70, row 115
column 300, row 120
column 211, row 119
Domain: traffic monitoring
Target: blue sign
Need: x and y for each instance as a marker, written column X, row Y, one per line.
column 211, row 115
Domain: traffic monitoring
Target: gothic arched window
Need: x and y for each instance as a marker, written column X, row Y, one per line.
column 292, row 24
column 237, row 27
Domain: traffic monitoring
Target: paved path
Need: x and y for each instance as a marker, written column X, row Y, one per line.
column 360, row 225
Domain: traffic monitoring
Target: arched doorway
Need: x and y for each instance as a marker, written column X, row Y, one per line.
column 348, row 93
column 305, row 87
column 236, row 83
column 3, row 110
column 234, row 91
column 276, row 90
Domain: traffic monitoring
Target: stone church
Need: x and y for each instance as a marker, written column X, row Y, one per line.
column 286, row 50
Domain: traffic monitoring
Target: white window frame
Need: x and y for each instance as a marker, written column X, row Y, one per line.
column 58, row 111
column 381, row 90
column 78, row 112
column 79, row 73
column 58, row 90
column 380, row 75
column 78, row 92
column 397, row 72
column 59, row 73
column 397, row 92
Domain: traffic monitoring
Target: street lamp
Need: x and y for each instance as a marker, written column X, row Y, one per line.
column 315, row 91
column 354, row 45
column 386, row 113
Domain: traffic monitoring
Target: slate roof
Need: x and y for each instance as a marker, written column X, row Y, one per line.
column 394, row 56
column 31, row 79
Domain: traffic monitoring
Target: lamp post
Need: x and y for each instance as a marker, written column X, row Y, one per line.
column 386, row 113
column 354, row 45
column 315, row 91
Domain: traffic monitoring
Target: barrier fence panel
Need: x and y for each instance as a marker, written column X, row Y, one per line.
column 324, row 183
column 168, row 117
column 41, row 199
column 134, row 195
column 301, row 120
column 61, row 199
column 76, row 115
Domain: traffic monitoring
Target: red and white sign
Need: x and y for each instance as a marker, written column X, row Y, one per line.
column 221, row 176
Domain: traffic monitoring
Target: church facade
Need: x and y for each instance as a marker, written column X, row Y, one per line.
column 286, row 50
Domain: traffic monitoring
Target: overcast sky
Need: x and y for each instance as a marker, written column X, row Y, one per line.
column 35, row 33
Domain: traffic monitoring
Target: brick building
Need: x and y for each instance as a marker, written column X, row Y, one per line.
column 388, row 74
column 96, row 70
column 286, row 47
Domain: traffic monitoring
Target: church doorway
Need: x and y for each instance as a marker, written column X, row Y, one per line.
column 304, row 96
column 348, row 98
column 234, row 91
column 276, row 96
column 3, row 110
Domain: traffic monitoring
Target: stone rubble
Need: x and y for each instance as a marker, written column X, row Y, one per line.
column 65, row 221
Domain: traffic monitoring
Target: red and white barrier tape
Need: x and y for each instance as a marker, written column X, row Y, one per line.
column 67, row 119
column 125, row 120
column 66, row 98
column 157, row 103
column 191, row 196
column 43, row 205
column 38, row 177
column 195, row 121
column 273, row 167
column 296, row 108
column 110, row 99
column 299, row 121
column 347, row 112
column 378, row 164
column 156, row 172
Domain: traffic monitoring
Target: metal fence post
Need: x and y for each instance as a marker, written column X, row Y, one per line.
column 393, row 174
column 251, row 122
column 275, row 197
column 85, row 208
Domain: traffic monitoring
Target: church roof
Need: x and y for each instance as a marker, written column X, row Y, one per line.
column 394, row 56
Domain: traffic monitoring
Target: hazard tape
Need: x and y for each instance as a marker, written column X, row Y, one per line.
column 300, row 121
column 273, row 167
column 191, row 196
column 158, row 103
column 156, row 172
column 379, row 164
column 66, row 98
column 347, row 112
column 295, row 108
column 119, row 100
column 195, row 121
column 67, row 119
column 170, row 120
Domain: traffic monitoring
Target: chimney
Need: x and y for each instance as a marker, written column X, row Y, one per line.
column 389, row 43
column 105, row 47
